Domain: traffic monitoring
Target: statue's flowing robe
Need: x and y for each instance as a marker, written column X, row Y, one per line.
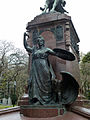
column 40, row 83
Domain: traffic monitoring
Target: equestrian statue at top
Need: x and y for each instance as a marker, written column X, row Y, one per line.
column 54, row 6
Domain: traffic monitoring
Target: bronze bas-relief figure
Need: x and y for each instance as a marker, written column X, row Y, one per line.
column 54, row 5
column 42, row 75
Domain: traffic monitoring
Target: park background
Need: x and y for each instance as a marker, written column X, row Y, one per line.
column 14, row 15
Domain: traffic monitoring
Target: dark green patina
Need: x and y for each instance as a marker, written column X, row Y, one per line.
column 42, row 77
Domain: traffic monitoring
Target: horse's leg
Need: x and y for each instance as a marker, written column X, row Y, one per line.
column 54, row 5
column 46, row 6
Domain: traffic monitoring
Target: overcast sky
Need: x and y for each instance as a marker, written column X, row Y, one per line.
column 15, row 14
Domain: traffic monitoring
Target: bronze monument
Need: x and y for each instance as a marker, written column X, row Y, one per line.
column 42, row 76
column 52, row 43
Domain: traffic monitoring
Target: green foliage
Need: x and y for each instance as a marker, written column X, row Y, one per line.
column 88, row 93
column 3, row 106
column 13, row 67
column 85, row 75
column 14, row 99
column 86, row 58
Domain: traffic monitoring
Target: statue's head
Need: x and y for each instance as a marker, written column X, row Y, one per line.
column 40, row 40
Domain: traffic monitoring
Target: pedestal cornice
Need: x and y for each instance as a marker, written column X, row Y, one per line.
column 44, row 19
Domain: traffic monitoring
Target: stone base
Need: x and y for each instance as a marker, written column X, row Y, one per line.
column 66, row 116
column 24, row 100
column 41, row 111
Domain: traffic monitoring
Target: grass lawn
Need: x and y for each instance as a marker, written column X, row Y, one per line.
column 86, row 105
column 3, row 106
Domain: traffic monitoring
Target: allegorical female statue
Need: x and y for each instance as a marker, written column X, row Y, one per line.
column 42, row 74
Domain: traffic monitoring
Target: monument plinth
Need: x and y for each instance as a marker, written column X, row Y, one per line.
column 58, row 32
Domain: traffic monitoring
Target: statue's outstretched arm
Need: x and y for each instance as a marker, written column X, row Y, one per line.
column 27, row 47
column 51, row 52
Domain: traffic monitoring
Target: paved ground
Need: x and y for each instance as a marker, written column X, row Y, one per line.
column 16, row 116
column 10, row 116
column 67, row 116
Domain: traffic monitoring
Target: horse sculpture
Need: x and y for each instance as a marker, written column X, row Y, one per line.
column 54, row 5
